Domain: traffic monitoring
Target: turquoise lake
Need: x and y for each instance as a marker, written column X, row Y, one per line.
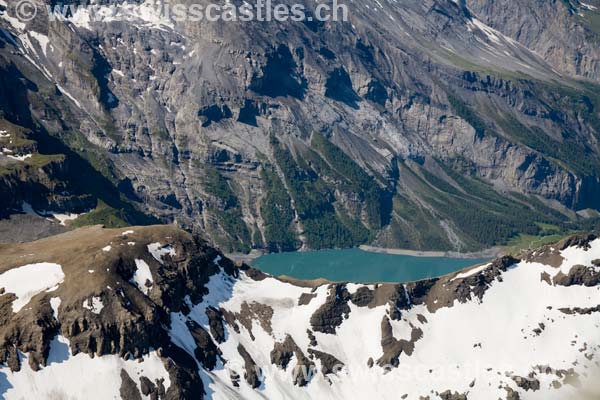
column 354, row 265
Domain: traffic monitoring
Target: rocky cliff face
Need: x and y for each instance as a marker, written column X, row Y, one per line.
column 155, row 312
column 319, row 135
column 564, row 33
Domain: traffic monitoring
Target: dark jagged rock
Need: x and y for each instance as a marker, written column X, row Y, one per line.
column 362, row 297
column 582, row 241
column 206, row 351
column 215, row 321
column 182, row 369
column 392, row 347
column 129, row 323
column 311, row 338
column 305, row 298
column 579, row 275
column 528, row 383
column 512, row 394
column 329, row 364
column 331, row 314
column 579, row 310
column 254, row 273
column 128, row 388
column 282, row 354
column 176, row 320
column 449, row 395
column 146, row 386
column 249, row 313
column 250, row 368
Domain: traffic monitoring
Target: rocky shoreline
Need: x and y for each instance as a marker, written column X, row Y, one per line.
column 486, row 253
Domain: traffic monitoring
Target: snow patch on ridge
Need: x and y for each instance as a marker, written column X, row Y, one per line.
column 29, row 280
column 471, row 272
column 158, row 251
column 94, row 304
column 55, row 304
column 142, row 275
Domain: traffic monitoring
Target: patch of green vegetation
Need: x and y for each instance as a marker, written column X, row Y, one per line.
column 89, row 172
column 41, row 160
column 523, row 241
column 486, row 216
column 105, row 215
column 35, row 161
column 16, row 141
column 463, row 110
column 228, row 212
column 591, row 18
column 355, row 179
column 416, row 228
column 570, row 153
column 481, row 216
column 314, row 201
column 277, row 213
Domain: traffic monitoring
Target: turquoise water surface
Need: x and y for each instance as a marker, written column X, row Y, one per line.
column 354, row 265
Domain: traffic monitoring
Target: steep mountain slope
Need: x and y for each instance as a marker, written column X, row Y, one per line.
column 44, row 186
column 155, row 312
column 283, row 135
column 565, row 33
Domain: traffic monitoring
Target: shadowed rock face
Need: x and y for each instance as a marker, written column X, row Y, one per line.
column 200, row 315
column 410, row 114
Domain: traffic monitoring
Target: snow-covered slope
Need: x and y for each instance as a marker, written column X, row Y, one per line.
column 522, row 328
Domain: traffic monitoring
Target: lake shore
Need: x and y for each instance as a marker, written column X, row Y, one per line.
column 240, row 258
column 486, row 253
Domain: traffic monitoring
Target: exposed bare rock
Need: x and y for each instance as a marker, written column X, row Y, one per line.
column 582, row 241
column 282, row 354
column 305, row 298
column 528, row 383
column 579, row 310
column 332, row 313
column 545, row 277
column 291, row 135
column 311, row 338
column 512, row 394
column 392, row 347
column 215, row 320
column 206, row 351
column 449, row 395
column 578, row 275
column 329, row 364
column 362, row 297
column 250, row 367
column 128, row 388
column 249, row 313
